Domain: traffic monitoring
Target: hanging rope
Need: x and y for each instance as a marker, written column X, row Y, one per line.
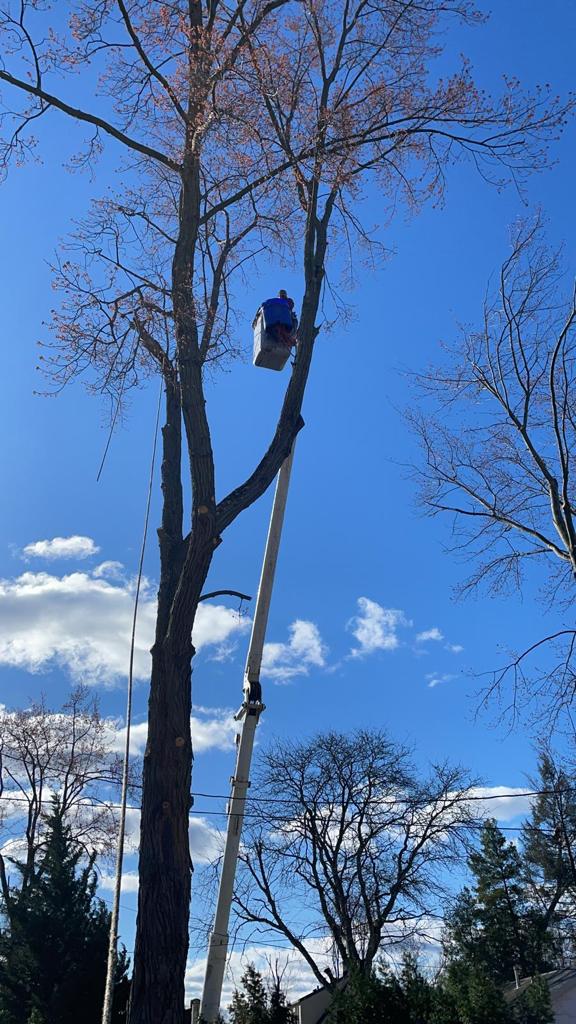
column 109, row 440
column 115, row 913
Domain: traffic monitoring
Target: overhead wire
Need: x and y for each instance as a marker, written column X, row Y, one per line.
column 383, row 802
column 256, row 941
column 202, row 812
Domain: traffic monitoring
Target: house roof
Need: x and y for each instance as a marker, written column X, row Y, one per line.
column 315, row 991
column 309, row 995
column 340, row 983
column 558, row 981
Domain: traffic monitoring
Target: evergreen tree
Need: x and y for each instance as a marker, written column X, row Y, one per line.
column 417, row 991
column 533, row 1006
column 468, row 995
column 250, row 1004
column 369, row 998
column 444, row 1008
column 549, row 852
column 548, row 835
column 35, row 1017
column 278, row 1010
column 493, row 926
column 253, row 1004
column 53, row 947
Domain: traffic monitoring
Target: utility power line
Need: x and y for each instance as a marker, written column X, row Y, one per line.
column 382, row 802
column 286, row 819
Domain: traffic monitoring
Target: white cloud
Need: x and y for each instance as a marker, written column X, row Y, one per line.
column 110, row 569
column 61, row 547
column 436, row 678
column 138, row 737
column 132, row 836
column 82, row 622
column 303, row 651
column 14, row 849
column 129, row 882
column 454, row 648
column 215, row 624
column 375, row 628
column 212, row 729
column 298, row 979
column 206, row 842
column 429, row 634
column 498, row 804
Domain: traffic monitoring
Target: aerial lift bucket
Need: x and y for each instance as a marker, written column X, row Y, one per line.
column 268, row 352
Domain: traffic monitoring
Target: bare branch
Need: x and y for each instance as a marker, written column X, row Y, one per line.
column 83, row 115
column 505, row 472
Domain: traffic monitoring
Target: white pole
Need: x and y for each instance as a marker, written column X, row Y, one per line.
column 249, row 714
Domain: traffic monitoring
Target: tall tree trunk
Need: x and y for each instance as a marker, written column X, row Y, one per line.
column 165, row 865
column 165, row 868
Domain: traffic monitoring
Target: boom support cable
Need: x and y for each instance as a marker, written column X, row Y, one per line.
column 115, row 913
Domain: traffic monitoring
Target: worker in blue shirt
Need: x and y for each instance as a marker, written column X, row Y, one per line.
column 289, row 336
column 280, row 319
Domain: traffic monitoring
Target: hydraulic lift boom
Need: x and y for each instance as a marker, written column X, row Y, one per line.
column 249, row 715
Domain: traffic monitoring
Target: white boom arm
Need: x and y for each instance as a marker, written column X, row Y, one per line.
column 249, row 714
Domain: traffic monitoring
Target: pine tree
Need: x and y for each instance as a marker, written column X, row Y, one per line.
column 369, row 998
column 481, row 1001
column 417, row 991
column 550, row 831
column 255, row 1004
column 250, row 1004
column 53, row 948
column 468, row 995
column 35, row 1017
column 278, row 1010
column 444, row 1008
column 549, row 852
column 493, row 926
column 534, row 1005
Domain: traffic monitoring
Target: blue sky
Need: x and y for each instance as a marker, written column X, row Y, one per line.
column 353, row 530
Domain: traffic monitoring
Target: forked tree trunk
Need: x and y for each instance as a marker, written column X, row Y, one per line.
column 165, row 866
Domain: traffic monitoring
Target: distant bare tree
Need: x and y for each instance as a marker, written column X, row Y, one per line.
column 348, row 844
column 44, row 753
column 500, row 452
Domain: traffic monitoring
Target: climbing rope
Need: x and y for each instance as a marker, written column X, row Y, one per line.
column 115, row 913
column 109, row 438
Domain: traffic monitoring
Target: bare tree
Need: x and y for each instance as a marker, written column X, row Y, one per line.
column 354, row 851
column 241, row 128
column 500, row 453
column 43, row 754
